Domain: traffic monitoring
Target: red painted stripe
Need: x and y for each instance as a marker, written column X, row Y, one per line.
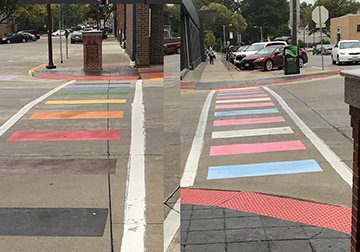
column 248, row 121
column 256, row 148
column 219, row 97
column 32, row 136
column 87, row 77
column 310, row 213
column 246, row 105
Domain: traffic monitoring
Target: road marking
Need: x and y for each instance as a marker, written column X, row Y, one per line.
column 241, row 96
column 75, row 102
column 244, row 100
column 76, row 115
column 247, row 112
column 234, row 149
column 192, row 161
column 252, row 132
column 92, row 93
column 247, row 105
column 95, row 88
column 247, row 121
column 339, row 166
column 9, row 123
column 69, row 135
column 171, row 225
column 135, row 205
column 241, row 93
column 238, row 89
column 31, row 71
column 263, row 169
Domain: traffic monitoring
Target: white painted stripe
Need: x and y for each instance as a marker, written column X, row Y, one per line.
column 252, row 132
column 192, row 161
column 135, row 205
column 9, row 123
column 238, row 89
column 171, row 225
column 339, row 166
column 244, row 100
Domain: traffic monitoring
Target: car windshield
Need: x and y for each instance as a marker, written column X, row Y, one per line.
column 266, row 50
column 255, row 47
column 346, row 45
column 77, row 33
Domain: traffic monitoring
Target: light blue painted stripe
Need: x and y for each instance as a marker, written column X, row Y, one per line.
column 241, row 93
column 247, row 112
column 94, row 88
column 263, row 169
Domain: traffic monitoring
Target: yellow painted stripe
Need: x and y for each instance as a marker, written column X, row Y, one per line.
column 157, row 79
column 31, row 71
column 74, row 102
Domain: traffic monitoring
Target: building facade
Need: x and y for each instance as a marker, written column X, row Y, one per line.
column 348, row 27
column 140, row 30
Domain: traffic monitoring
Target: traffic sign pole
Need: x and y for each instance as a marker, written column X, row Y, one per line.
column 321, row 41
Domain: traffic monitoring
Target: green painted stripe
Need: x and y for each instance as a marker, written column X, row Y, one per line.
column 92, row 93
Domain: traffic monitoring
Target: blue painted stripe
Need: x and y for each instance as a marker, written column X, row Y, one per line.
column 263, row 169
column 247, row 112
column 94, row 88
column 240, row 93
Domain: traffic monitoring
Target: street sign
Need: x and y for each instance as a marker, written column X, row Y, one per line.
column 231, row 35
column 320, row 15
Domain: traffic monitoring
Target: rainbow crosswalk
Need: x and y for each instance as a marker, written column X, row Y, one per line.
column 237, row 132
column 85, row 91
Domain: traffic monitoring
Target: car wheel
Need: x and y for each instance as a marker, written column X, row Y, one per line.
column 338, row 62
column 178, row 50
column 8, row 41
column 301, row 62
column 332, row 60
column 24, row 40
column 269, row 65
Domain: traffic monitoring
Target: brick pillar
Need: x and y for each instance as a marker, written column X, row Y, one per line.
column 157, row 33
column 120, row 22
column 92, row 51
column 130, row 30
column 142, row 57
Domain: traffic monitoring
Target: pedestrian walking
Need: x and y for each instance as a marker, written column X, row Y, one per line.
column 211, row 55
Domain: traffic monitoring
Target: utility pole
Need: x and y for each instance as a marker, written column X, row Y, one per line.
column 261, row 34
column 294, row 22
column 50, row 65
column 61, row 56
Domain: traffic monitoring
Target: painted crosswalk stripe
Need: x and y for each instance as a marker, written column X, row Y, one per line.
column 242, row 93
column 76, row 115
column 95, row 88
column 92, row 93
column 102, row 83
column 247, row 112
column 240, row 96
column 244, row 100
column 252, row 132
column 246, row 105
column 263, row 169
column 256, row 148
column 246, row 121
column 75, row 102
column 69, row 135
column 238, row 89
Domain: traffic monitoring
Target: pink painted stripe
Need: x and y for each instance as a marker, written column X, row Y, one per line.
column 248, row 121
column 256, row 148
column 76, row 135
column 245, row 105
column 310, row 213
column 239, row 90
column 240, row 96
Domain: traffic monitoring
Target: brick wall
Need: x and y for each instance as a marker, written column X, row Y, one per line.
column 142, row 35
column 92, row 42
column 156, row 37
column 348, row 25
column 129, row 30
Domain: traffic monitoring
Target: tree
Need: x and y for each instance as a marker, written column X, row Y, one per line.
column 31, row 16
column 172, row 18
column 271, row 15
column 210, row 39
column 233, row 6
column 7, row 9
column 234, row 22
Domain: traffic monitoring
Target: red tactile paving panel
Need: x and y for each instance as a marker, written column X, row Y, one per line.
column 69, row 135
column 315, row 214
column 81, row 77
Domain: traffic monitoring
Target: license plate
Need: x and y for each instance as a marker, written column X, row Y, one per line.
column 247, row 64
column 356, row 57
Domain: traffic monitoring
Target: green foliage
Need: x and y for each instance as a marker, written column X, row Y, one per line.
column 210, row 40
column 233, row 6
column 172, row 18
column 7, row 9
column 272, row 15
column 31, row 16
column 225, row 17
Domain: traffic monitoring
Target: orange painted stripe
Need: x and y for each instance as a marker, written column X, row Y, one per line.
column 77, row 115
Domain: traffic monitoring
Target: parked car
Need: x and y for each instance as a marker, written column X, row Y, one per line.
column 58, row 32
column 172, row 45
column 254, row 48
column 271, row 57
column 29, row 36
column 346, row 51
column 287, row 39
column 76, row 37
column 14, row 38
column 33, row 32
column 232, row 55
column 327, row 49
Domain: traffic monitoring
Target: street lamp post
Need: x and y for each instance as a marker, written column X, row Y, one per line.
column 49, row 26
column 224, row 33
column 261, row 32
